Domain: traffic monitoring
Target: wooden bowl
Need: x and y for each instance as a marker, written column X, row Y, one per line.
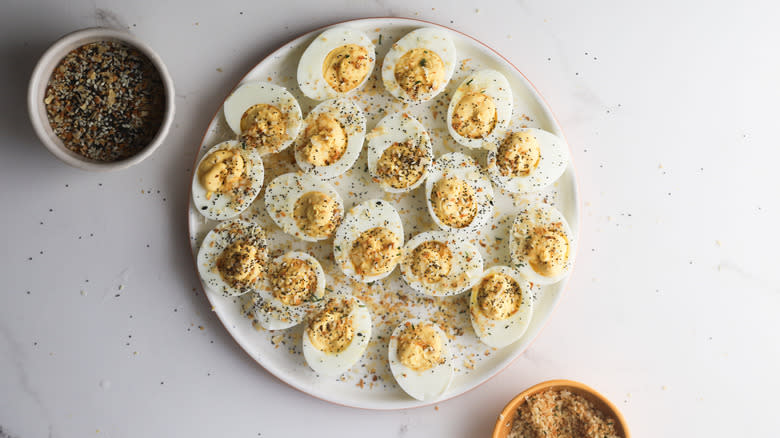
column 507, row 416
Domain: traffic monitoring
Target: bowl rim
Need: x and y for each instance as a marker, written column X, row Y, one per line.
column 508, row 413
column 40, row 78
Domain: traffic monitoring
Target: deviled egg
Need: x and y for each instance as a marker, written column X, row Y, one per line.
column 419, row 65
column 233, row 257
column 368, row 243
column 439, row 263
column 338, row 61
column 527, row 159
column 332, row 138
column 399, row 153
column 480, row 109
column 541, row 244
column 420, row 359
column 294, row 286
column 304, row 206
column 265, row 116
column 501, row 306
column 227, row 180
column 460, row 197
column 336, row 336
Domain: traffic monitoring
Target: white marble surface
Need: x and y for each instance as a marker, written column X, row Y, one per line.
column 671, row 112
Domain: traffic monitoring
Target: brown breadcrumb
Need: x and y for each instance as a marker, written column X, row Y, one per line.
column 561, row 414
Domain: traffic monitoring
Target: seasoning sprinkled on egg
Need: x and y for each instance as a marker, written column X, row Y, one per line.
column 304, row 206
column 332, row 138
column 460, row 197
column 336, row 336
column 228, row 178
column 541, row 244
column 480, row 109
column 337, row 62
column 419, row 65
column 233, row 258
column 527, row 159
column 294, row 288
column 500, row 306
column 266, row 117
column 399, row 153
column 368, row 243
column 439, row 263
column 420, row 359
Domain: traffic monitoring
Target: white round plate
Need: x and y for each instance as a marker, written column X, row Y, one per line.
column 369, row 384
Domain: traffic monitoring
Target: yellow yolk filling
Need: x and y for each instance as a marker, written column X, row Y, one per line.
column 420, row 347
column 331, row 330
column 431, row 261
column 499, row 296
column 547, row 249
column 375, row 251
column 420, row 71
column 263, row 127
column 401, row 165
column 241, row 263
column 518, row 154
column 316, row 214
column 326, row 141
column 474, row 116
column 345, row 67
column 453, row 202
column 221, row 172
column 294, row 281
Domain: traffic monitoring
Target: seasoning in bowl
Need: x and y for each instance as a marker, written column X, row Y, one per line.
column 105, row 101
column 561, row 414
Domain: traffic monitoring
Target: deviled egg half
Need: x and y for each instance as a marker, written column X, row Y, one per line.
column 399, row 153
column 420, row 359
column 336, row 336
column 459, row 196
column 233, row 257
column 338, row 61
column 480, row 109
column 332, row 138
column 501, row 306
column 304, row 206
column 541, row 244
column 419, row 65
column 227, row 180
column 265, row 116
column 369, row 240
column 294, row 287
column 527, row 159
column 439, row 263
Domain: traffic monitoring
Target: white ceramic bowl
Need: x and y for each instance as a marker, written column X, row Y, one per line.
column 40, row 79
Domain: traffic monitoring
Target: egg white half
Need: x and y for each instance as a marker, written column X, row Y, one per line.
column 219, row 238
column 553, row 159
column 254, row 93
column 530, row 216
column 284, row 191
column 466, row 264
column 463, row 167
column 310, row 78
column 500, row 333
column 422, row 385
column 223, row 206
column 335, row 364
column 272, row 313
column 433, row 39
column 352, row 119
column 362, row 217
column 398, row 128
column 494, row 85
